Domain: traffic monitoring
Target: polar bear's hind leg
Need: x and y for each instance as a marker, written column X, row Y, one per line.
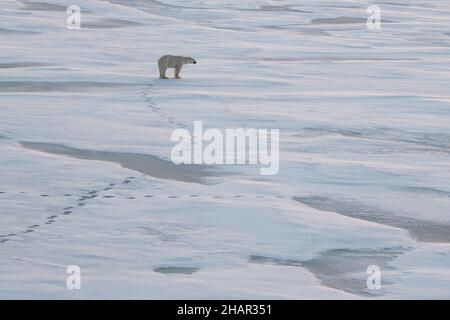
column 162, row 73
column 162, row 70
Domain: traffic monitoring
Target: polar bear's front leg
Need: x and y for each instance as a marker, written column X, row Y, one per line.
column 177, row 71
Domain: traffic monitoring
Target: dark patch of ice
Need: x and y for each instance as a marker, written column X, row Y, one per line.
column 15, row 32
column 436, row 141
column 176, row 270
column 22, row 65
column 422, row 230
column 338, row 20
column 143, row 163
column 336, row 268
column 281, row 8
column 342, row 269
column 427, row 190
column 86, row 86
column 42, row 6
column 108, row 24
column 277, row 261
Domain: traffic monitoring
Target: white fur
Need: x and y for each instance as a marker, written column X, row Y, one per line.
column 175, row 62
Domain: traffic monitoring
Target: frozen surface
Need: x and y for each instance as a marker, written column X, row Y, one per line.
column 85, row 130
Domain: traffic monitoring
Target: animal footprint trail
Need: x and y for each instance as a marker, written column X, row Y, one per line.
column 67, row 211
column 103, row 193
column 157, row 110
column 81, row 201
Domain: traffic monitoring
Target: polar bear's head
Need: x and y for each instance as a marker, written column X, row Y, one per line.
column 188, row 60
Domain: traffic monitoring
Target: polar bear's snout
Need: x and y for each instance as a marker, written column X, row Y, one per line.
column 188, row 60
column 175, row 62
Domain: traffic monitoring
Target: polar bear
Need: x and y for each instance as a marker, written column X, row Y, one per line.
column 176, row 62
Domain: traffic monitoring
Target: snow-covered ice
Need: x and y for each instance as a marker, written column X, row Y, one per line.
column 86, row 177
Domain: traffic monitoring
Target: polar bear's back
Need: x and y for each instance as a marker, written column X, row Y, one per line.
column 170, row 61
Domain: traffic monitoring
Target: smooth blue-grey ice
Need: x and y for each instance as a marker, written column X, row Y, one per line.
column 85, row 128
